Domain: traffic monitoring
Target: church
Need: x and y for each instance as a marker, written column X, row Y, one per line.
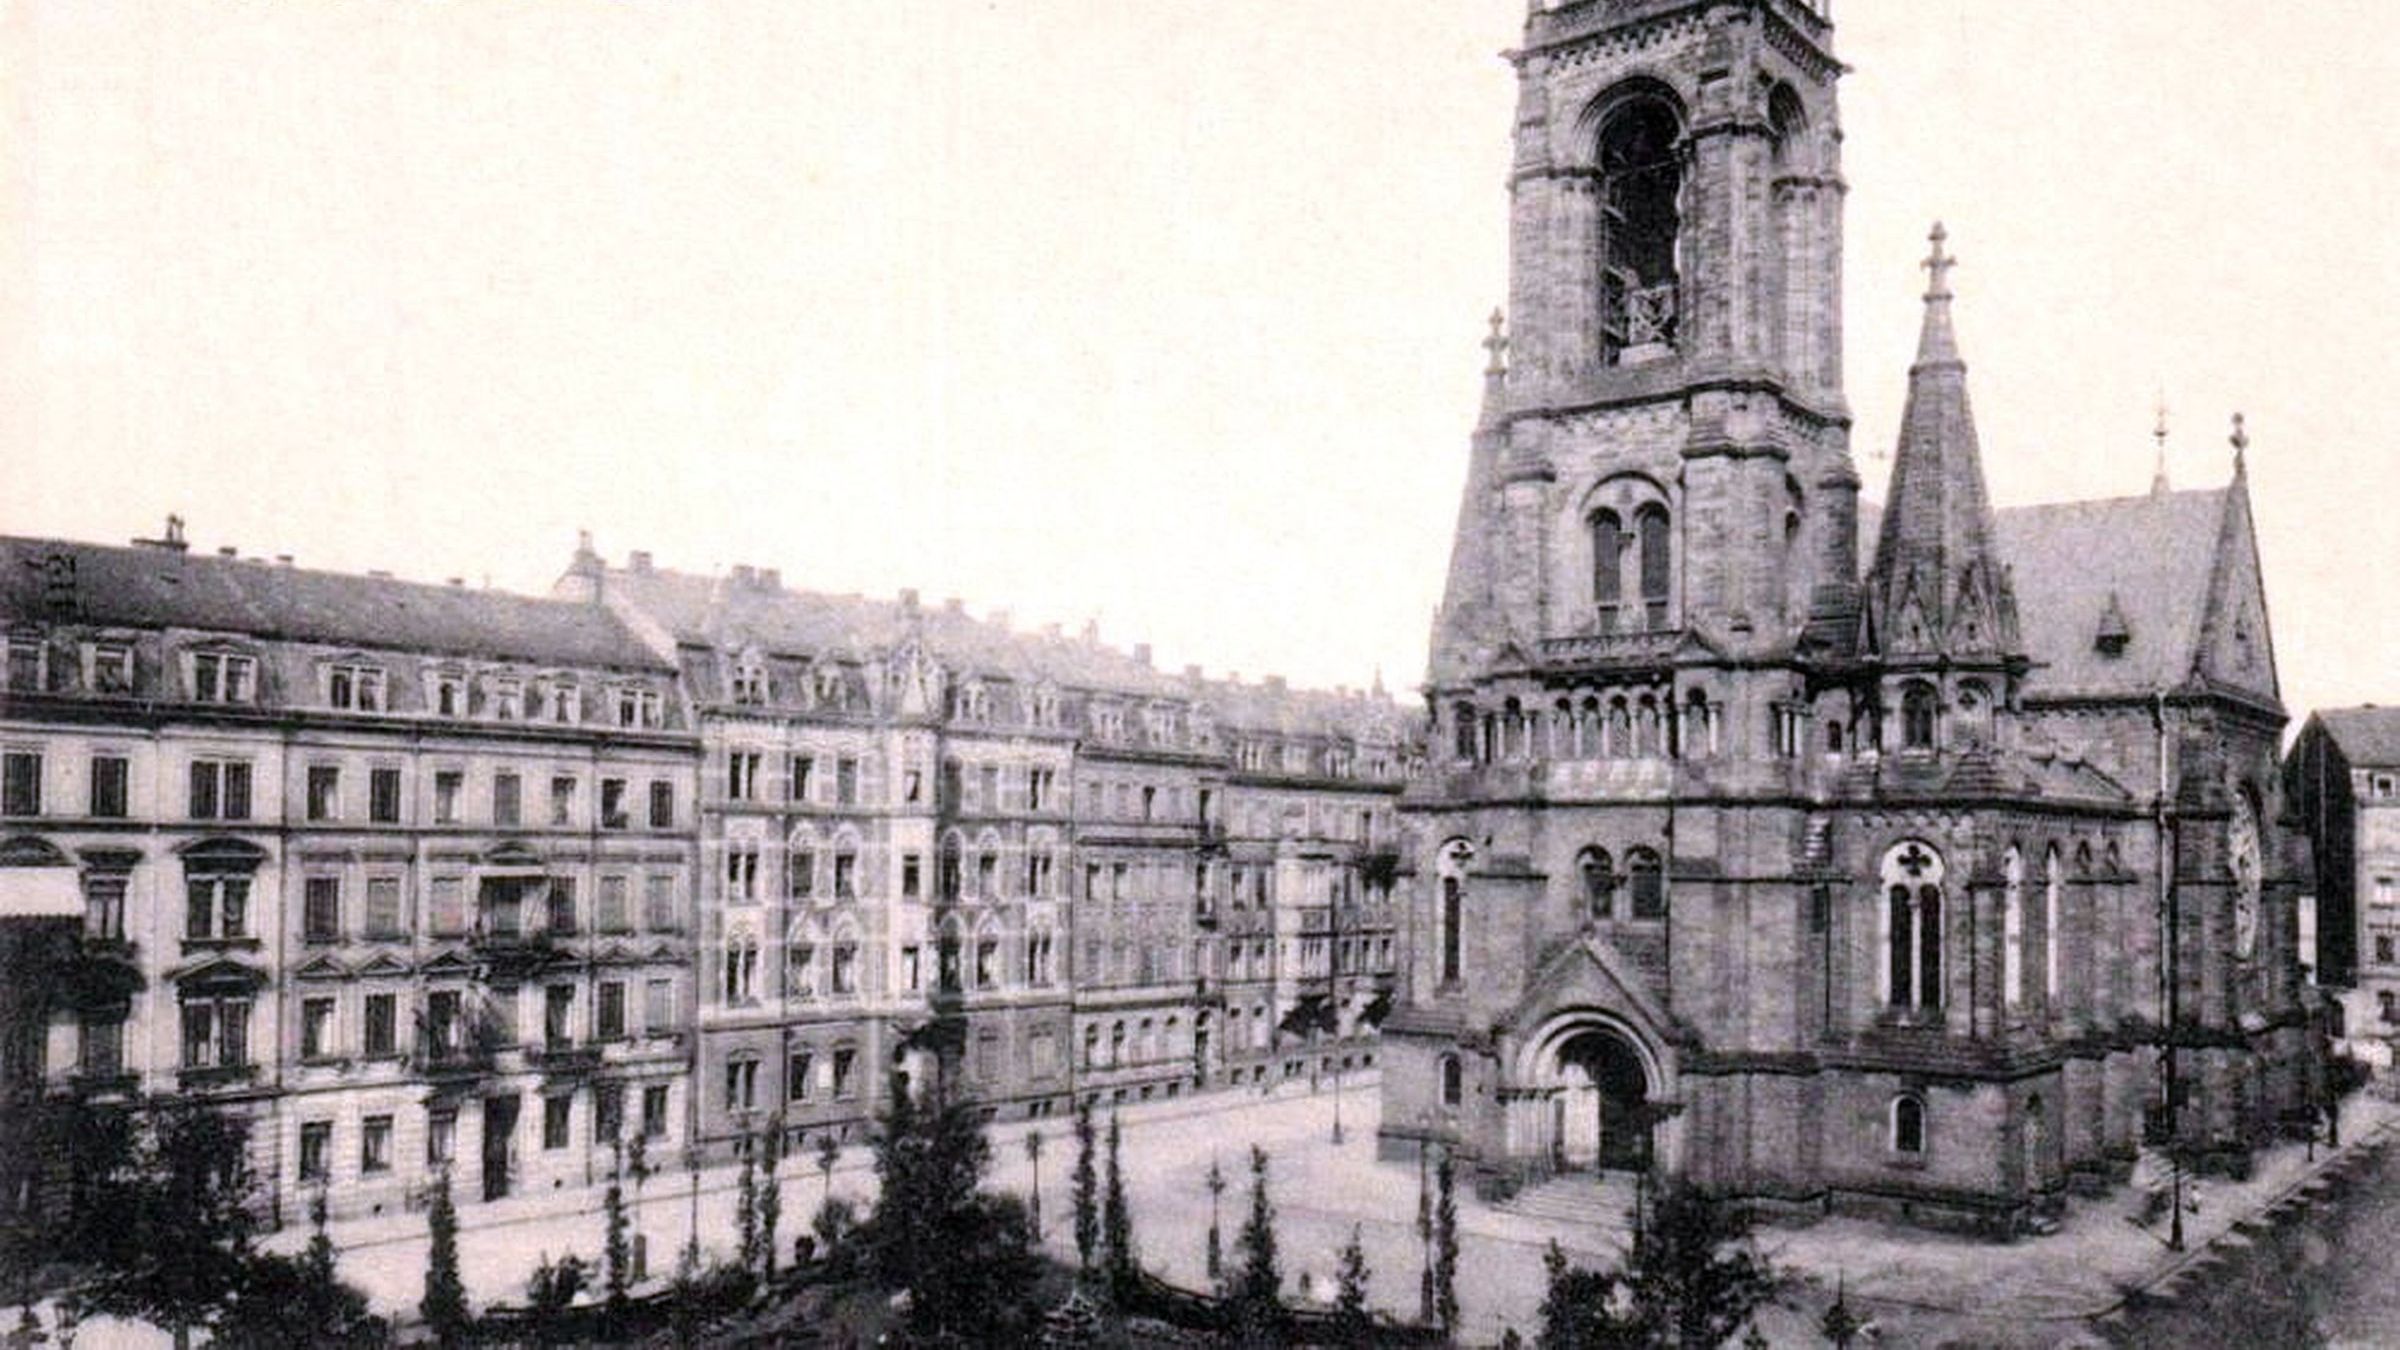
column 1929, row 866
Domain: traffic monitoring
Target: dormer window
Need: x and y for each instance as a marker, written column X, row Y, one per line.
column 223, row 677
column 561, row 705
column 108, row 668
column 637, row 707
column 354, row 688
column 508, row 700
column 448, row 696
column 749, row 683
column 1108, row 723
column 27, row 667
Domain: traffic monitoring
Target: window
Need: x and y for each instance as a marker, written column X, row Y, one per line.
column 383, row 796
column 2383, row 949
column 321, row 909
column 447, row 784
column 845, row 875
column 1041, row 786
column 845, row 782
column 741, row 774
column 797, row 1071
column 1646, row 884
column 354, row 688
column 508, row 700
column 1641, row 179
column 2053, row 941
column 441, row 1137
column 612, row 1010
column 912, row 876
column 741, row 1084
column 110, row 774
column 912, row 971
column 558, row 1016
column 741, row 872
column 1908, row 1125
column 382, row 917
column 658, row 903
column 1919, row 710
column 563, row 706
column 111, row 669
column 449, row 696
column 562, row 800
column 845, row 1079
column 216, row 906
column 104, row 906
column 844, row 978
column 1609, row 538
column 1453, row 1081
column 324, row 792
column 2012, row 929
column 219, row 677
column 662, row 804
column 216, row 1033
column 440, row 1034
column 508, row 800
column 741, row 968
column 316, row 1149
column 638, row 708
column 608, row 1112
column 557, row 1116
column 375, row 1144
column 654, row 1111
column 1912, row 926
column 21, row 783
column 2384, row 887
column 559, row 904
column 101, row 1055
column 615, row 913
column 1452, row 870
column 658, row 1006
column 803, row 769
column 316, row 1028
column 1599, row 883
column 612, row 804
column 382, row 1027
column 446, row 908
column 800, row 873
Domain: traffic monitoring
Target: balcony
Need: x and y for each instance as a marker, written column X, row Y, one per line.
column 455, row 1059
column 565, row 1057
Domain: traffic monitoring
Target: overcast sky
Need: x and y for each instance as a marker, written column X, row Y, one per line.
column 1164, row 312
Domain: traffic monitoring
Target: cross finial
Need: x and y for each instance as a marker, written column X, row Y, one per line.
column 2158, row 433
column 1496, row 344
column 1939, row 263
column 2241, row 444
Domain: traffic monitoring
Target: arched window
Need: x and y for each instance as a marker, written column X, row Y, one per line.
column 1599, row 883
column 2050, row 933
column 1697, row 738
column 1645, row 728
column 1912, row 926
column 1918, row 708
column 2012, row 929
column 1462, row 723
column 1974, row 722
column 1512, row 730
column 1646, row 883
column 1608, row 567
column 1091, row 1045
column 1453, row 1081
column 1908, row 1124
column 1641, row 179
column 1453, row 873
column 1650, row 525
column 1618, row 742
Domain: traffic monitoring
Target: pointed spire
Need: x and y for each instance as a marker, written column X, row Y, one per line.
column 1937, row 586
column 2158, row 470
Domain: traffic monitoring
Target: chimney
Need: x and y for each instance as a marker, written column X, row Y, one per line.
column 457, row 583
column 1141, row 653
column 770, row 578
column 744, row 574
column 638, row 560
column 169, row 542
column 228, row 551
column 283, row 560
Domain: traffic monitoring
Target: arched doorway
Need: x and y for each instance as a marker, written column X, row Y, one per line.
column 1600, row 1112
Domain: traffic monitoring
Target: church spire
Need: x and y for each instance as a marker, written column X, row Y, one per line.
column 1937, row 587
column 2158, row 471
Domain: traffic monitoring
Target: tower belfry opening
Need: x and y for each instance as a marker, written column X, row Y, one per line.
column 1641, row 215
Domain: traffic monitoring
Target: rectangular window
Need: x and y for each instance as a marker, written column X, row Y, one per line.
column 104, row 907
column 662, row 804
column 21, row 783
column 324, row 792
column 382, row 917
column 987, row 783
column 845, row 781
column 321, row 909
column 557, row 1114
column 658, row 903
column 616, row 905
column 316, row 1150
column 801, row 872
column 608, row 1112
column 845, row 1077
column 796, row 1080
column 219, row 677
column 654, row 1112
column 612, row 804
column 375, row 1144
column 24, row 668
column 803, row 767
column 912, row 876
column 741, row 1084
column 316, row 1028
column 446, row 910
column 912, row 973
column 383, row 796
column 612, row 1010
column 562, row 801
column 216, row 1033
column 110, row 774
column 658, row 1007
column 508, row 700
column 102, row 1053
column 558, row 1016
column 741, row 873
column 508, row 799
column 447, row 784
column 216, row 907
column 441, row 1137
column 382, row 1030
column 845, row 875
column 845, row 968
column 560, row 905
column 741, row 774
column 1038, row 789
column 112, row 669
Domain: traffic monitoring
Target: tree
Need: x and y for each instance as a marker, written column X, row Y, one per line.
column 1445, row 1244
column 1691, row 1281
column 1257, row 1289
column 964, row 1257
column 745, row 1198
column 552, row 1288
column 1585, row 1309
column 770, row 1194
column 616, row 1251
column 1116, row 1220
column 828, row 1153
column 299, row 1302
column 444, row 1306
column 1352, row 1326
column 1216, row 1240
column 168, row 1229
column 1087, row 1188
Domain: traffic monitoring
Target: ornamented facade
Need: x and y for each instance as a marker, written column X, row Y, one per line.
column 1826, row 880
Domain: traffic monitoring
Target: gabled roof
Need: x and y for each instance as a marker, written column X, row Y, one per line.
column 2367, row 736
column 2144, row 562
column 149, row 587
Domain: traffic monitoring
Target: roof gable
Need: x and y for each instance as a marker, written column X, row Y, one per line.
column 2135, row 567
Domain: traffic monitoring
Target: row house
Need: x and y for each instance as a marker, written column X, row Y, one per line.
column 400, row 873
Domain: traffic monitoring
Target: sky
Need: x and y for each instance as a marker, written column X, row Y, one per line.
column 1164, row 314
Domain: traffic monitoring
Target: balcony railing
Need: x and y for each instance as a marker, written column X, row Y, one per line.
column 1610, row 647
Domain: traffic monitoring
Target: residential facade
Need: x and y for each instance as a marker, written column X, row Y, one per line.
column 2343, row 777
column 1930, row 878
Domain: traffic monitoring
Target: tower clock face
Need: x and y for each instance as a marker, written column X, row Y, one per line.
column 2242, row 859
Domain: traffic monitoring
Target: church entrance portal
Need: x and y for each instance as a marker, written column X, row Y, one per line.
column 1600, row 1115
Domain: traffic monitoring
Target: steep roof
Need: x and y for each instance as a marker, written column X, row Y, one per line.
column 2367, row 736
column 150, row 587
column 2081, row 566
